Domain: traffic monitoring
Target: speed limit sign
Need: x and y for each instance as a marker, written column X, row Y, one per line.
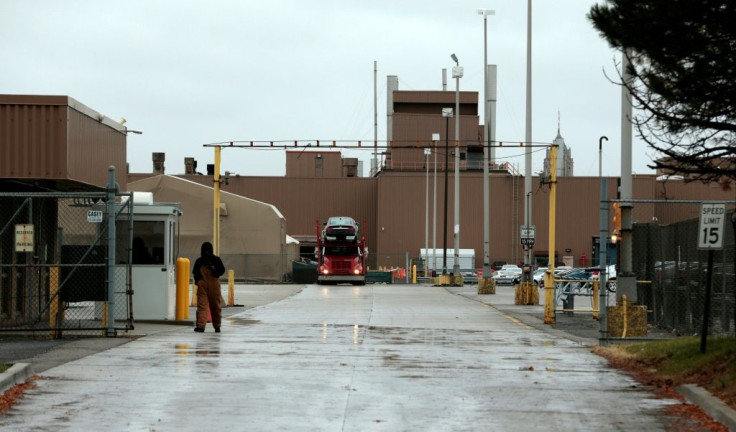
column 710, row 230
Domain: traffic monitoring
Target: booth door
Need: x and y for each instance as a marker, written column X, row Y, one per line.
column 152, row 269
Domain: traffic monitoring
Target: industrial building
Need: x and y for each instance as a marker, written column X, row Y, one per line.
column 44, row 150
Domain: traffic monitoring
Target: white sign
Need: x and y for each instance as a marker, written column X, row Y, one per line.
column 527, row 231
column 710, row 231
column 24, row 238
column 527, row 235
column 94, row 216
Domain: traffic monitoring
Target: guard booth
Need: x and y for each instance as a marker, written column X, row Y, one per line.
column 155, row 247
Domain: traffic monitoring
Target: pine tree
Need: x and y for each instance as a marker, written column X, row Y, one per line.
column 683, row 65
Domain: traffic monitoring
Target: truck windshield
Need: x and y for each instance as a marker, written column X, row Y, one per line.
column 342, row 250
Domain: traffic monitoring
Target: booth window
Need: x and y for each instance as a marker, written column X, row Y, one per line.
column 148, row 243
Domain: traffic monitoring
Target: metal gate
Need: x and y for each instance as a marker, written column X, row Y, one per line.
column 55, row 265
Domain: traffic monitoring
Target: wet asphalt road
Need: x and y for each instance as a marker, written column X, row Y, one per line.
column 343, row 358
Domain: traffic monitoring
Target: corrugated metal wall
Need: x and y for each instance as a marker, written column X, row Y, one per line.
column 57, row 138
column 305, row 164
column 94, row 144
column 304, row 200
column 391, row 209
column 32, row 141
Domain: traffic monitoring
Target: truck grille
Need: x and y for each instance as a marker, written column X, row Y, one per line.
column 341, row 266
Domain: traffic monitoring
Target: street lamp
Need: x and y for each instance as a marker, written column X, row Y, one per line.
column 427, row 151
column 457, row 73
column 600, row 155
column 486, row 149
column 446, row 113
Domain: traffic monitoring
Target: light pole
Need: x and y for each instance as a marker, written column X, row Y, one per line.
column 600, row 155
column 486, row 149
column 457, row 73
column 427, row 151
column 435, row 138
column 528, row 123
column 446, row 113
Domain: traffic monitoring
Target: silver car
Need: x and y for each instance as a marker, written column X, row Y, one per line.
column 506, row 275
column 340, row 228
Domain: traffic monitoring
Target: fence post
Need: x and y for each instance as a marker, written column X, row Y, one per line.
column 406, row 254
column 603, row 264
column 231, row 287
column 111, row 189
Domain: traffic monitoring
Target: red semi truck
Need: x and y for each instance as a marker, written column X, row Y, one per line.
column 341, row 261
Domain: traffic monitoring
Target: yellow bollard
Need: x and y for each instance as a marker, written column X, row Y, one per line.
column 105, row 306
column 55, row 302
column 231, row 287
column 414, row 274
column 623, row 333
column 194, row 292
column 182, row 289
column 596, row 300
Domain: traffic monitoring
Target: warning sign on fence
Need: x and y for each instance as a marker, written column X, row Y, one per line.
column 24, row 238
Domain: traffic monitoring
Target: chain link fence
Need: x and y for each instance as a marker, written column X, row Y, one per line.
column 672, row 272
column 54, row 264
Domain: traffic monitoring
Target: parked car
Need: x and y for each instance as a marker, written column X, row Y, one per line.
column 610, row 276
column 517, row 279
column 507, row 274
column 340, row 228
column 538, row 276
column 562, row 269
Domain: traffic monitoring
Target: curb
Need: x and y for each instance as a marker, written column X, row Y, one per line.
column 18, row 373
column 713, row 406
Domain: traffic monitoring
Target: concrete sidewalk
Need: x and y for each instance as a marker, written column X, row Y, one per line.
column 34, row 356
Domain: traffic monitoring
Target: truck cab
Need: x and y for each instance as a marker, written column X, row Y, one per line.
column 340, row 261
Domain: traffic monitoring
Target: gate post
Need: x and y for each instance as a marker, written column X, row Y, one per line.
column 111, row 190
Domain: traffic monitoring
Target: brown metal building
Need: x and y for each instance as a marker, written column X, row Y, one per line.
column 391, row 204
column 50, row 143
column 391, row 209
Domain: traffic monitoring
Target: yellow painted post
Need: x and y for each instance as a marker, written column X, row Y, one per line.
column 549, row 285
column 194, row 292
column 414, row 274
column 54, row 307
column 216, row 206
column 623, row 333
column 182, row 289
column 105, row 306
column 231, row 287
column 596, row 300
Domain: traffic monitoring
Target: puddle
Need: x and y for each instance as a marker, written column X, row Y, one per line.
column 242, row 321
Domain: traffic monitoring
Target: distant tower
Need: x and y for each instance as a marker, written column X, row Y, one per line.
column 564, row 155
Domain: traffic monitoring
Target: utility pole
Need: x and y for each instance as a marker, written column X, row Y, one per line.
column 457, row 73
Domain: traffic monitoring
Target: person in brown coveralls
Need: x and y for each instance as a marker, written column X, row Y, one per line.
column 207, row 271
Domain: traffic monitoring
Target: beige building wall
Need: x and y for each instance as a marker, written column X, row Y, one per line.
column 252, row 234
column 391, row 209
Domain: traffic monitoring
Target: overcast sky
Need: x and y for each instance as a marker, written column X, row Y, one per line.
column 188, row 73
